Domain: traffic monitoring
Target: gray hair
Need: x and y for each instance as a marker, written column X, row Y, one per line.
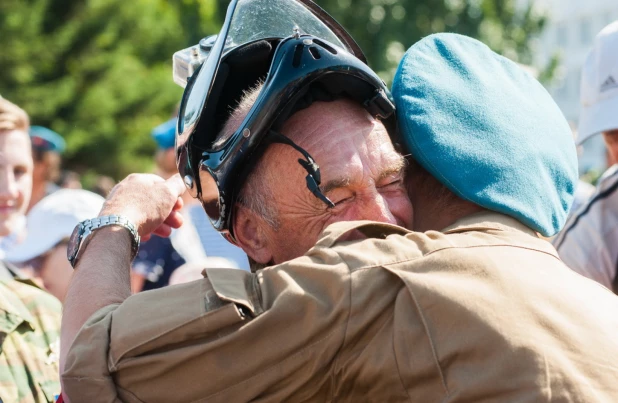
column 253, row 192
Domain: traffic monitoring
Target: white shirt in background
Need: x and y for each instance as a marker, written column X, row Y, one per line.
column 588, row 243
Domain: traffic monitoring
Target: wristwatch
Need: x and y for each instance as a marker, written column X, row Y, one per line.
column 83, row 230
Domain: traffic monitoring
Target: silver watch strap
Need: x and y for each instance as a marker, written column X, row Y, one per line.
column 95, row 223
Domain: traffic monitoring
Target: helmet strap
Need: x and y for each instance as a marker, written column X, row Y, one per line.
column 313, row 177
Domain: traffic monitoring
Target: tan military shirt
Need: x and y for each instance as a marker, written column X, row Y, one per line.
column 484, row 312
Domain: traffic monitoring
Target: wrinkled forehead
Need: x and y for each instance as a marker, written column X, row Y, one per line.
column 341, row 135
column 331, row 123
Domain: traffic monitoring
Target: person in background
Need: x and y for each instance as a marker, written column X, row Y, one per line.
column 213, row 244
column 589, row 242
column 194, row 271
column 15, row 176
column 103, row 185
column 30, row 325
column 47, row 148
column 159, row 257
column 43, row 254
column 69, row 180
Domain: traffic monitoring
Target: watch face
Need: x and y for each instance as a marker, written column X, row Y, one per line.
column 73, row 246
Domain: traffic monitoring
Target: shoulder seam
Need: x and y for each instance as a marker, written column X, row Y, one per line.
column 453, row 247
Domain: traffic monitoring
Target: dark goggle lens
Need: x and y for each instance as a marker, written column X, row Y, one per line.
column 210, row 196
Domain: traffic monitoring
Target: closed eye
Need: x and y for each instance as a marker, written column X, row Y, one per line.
column 343, row 201
column 392, row 185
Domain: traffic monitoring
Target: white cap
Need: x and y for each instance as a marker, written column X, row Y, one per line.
column 599, row 85
column 53, row 219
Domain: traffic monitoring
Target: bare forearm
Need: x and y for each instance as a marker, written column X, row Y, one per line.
column 101, row 278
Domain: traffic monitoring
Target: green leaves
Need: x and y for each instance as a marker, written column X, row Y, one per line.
column 99, row 71
column 382, row 27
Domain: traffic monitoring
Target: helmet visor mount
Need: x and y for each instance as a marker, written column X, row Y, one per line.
column 304, row 37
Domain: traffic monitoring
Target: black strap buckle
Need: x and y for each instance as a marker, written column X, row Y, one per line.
column 380, row 106
column 313, row 177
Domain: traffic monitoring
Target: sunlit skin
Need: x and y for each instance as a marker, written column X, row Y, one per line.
column 611, row 141
column 361, row 173
column 56, row 272
column 15, row 178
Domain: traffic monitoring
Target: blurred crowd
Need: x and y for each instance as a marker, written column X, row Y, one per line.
column 43, row 204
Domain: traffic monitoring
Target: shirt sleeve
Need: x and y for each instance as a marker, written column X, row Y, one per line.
column 231, row 337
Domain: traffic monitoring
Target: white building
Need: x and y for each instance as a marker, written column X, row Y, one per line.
column 570, row 32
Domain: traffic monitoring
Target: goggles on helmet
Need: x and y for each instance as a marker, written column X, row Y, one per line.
column 301, row 54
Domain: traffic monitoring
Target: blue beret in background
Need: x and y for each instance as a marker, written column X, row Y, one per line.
column 165, row 134
column 45, row 139
column 487, row 130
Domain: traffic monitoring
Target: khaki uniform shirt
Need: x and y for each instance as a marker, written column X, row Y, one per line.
column 29, row 343
column 483, row 312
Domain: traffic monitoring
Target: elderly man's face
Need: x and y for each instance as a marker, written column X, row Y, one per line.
column 361, row 173
column 15, row 178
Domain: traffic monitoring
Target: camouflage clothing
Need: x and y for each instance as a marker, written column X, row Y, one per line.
column 29, row 338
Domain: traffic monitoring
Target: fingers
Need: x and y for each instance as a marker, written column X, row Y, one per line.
column 179, row 204
column 163, row 230
column 176, row 185
column 174, row 220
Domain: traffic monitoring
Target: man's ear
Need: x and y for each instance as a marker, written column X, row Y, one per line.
column 250, row 235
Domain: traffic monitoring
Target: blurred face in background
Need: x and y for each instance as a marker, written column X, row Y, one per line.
column 46, row 166
column 56, row 271
column 15, row 178
column 611, row 141
column 51, row 271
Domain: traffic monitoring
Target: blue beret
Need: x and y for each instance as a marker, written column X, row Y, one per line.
column 45, row 139
column 487, row 130
column 165, row 134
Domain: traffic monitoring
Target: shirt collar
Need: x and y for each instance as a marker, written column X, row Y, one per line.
column 12, row 310
column 488, row 220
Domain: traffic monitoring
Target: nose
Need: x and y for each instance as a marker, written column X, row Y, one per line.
column 376, row 209
column 8, row 186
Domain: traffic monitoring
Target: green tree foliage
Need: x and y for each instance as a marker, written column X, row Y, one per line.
column 386, row 28
column 98, row 71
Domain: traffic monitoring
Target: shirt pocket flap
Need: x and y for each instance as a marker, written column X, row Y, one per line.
column 193, row 313
column 239, row 287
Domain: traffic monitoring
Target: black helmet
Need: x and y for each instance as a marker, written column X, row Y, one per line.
column 301, row 54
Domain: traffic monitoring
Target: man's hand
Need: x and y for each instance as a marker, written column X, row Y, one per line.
column 101, row 276
column 149, row 202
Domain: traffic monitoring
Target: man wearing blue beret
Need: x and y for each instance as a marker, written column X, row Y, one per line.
column 474, row 306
